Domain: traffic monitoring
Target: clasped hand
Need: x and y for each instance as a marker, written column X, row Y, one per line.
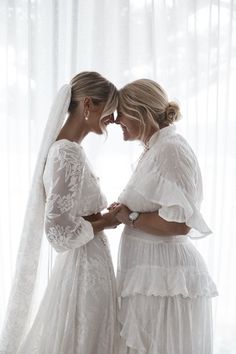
column 120, row 211
column 117, row 214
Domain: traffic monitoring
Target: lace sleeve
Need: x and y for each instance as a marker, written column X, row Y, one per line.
column 64, row 228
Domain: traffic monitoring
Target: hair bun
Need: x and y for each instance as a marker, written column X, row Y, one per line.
column 172, row 112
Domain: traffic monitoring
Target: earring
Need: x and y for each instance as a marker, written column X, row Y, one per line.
column 86, row 116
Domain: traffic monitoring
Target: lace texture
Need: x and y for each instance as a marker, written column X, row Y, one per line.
column 64, row 174
column 78, row 311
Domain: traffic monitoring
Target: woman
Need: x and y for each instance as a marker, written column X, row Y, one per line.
column 163, row 285
column 78, row 311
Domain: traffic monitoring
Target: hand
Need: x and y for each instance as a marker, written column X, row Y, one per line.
column 93, row 217
column 113, row 206
column 110, row 220
column 122, row 213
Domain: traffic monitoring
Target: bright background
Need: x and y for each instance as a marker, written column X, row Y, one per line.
column 188, row 46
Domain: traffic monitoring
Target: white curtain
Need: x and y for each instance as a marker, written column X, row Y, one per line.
column 187, row 46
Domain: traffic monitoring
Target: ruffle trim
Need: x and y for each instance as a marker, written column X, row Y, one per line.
column 139, row 334
column 160, row 281
column 131, row 335
column 173, row 203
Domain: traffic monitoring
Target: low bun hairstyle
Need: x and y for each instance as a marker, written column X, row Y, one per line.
column 146, row 101
column 172, row 112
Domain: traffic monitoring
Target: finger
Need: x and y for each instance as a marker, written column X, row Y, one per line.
column 116, row 210
column 113, row 205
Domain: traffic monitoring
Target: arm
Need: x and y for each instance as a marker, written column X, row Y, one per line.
column 101, row 222
column 65, row 229
column 151, row 223
column 171, row 185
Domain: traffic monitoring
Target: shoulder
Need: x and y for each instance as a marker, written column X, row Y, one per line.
column 67, row 151
column 65, row 155
column 176, row 148
column 175, row 159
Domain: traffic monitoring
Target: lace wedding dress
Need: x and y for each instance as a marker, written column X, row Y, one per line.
column 78, row 312
column 164, row 288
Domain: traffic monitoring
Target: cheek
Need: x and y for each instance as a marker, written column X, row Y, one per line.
column 95, row 118
column 133, row 127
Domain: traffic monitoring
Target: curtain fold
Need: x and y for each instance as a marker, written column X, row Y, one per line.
column 189, row 47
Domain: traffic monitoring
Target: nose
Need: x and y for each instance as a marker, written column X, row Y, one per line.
column 112, row 120
column 117, row 121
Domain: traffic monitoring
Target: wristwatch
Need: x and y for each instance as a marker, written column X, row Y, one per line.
column 133, row 216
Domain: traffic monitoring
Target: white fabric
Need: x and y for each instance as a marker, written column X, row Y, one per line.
column 21, row 300
column 172, row 183
column 164, row 287
column 187, row 46
column 65, row 179
column 78, row 311
column 166, row 318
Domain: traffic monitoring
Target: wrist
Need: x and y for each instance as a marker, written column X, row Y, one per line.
column 98, row 225
column 133, row 216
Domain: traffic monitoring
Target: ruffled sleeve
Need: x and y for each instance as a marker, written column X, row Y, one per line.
column 168, row 179
column 64, row 228
column 180, row 184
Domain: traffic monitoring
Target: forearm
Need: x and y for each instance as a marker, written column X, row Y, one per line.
column 98, row 225
column 104, row 221
column 97, row 221
column 152, row 223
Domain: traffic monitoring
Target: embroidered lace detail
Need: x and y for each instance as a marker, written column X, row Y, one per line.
column 64, row 174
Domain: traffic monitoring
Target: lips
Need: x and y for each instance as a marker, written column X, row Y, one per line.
column 123, row 127
column 106, row 122
column 125, row 132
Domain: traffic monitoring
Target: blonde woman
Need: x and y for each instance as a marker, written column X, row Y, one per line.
column 78, row 312
column 164, row 287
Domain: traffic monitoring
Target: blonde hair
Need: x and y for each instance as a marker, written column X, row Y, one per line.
column 146, row 101
column 94, row 85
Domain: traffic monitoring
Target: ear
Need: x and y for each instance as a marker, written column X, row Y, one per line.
column 87, row 103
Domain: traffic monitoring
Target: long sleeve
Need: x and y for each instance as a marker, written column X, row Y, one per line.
column 64, row 227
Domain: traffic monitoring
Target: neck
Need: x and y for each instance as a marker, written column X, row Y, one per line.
column 149, row 134
column 74, row 129
column 152, row 131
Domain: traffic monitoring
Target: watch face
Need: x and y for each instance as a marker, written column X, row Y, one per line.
column 133, row 216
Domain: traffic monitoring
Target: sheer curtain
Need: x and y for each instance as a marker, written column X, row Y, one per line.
column 187, row 46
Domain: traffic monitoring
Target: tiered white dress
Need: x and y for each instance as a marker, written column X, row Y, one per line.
column 164, row 288
column 78, row 312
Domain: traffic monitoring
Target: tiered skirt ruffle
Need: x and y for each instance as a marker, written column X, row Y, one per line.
column 165, row 292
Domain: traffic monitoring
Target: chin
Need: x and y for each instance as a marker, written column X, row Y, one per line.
column 99, row 131
column 129, row 138
column 126, row 137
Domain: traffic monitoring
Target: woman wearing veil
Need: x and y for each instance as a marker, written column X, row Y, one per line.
column 78, row 311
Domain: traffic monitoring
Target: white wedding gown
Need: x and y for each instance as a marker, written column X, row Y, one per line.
column 78, row 312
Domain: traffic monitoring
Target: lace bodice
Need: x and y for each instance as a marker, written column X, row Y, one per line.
column 72, row 191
